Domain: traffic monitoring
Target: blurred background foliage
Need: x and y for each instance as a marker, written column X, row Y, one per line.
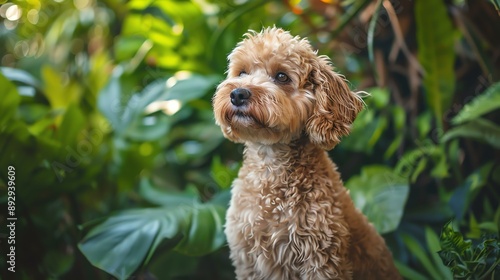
column 105, row 113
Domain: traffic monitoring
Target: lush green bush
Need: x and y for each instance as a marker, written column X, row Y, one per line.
column 106, row 117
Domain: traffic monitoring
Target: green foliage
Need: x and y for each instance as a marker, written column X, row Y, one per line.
column 467, row 260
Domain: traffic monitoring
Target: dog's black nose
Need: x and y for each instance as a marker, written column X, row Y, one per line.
column 239, row 96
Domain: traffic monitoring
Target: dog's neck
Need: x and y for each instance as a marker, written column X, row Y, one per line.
column 273, row 169
column 284, row 154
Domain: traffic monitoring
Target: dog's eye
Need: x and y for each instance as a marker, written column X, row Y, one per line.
column 243, row 72
column 282, row 77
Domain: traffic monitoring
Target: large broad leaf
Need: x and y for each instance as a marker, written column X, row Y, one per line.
column 482, row 104
column 381, row 195
column 435, row 36
column 122, row 243
column 479, row 129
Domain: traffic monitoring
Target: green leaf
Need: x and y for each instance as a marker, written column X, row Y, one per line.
column 366, row 131
column 488, row 101
column 422, row 164
column 114, row 99
column 71, row 125
column 20, row 76
column 424, row 124
column 59, row 92
column 441, row 167
column 153, row 195
column 467, row 260
column 193, row 87
column 409, row 273
column 465, row 194
column 223, row 175
column 371, row 29
column 451, row 240
column 381, row 195
column 123, row 242
column 434, row 248
column 126, row 47
column 497, row 5
column 9, row 102
column 120, row 244
column 479, row 129
column 149, row 128
column 205, row 233
column 379, row 97
column 417, row 250
column 435, row 38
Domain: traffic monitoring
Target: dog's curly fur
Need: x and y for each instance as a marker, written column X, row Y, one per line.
column 290, row 216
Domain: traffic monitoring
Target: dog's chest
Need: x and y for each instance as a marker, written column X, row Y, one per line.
column 272, row 209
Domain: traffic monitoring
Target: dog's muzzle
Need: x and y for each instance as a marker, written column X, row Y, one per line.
column 239, row 96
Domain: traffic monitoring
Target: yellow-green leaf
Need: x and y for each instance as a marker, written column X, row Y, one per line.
column 435, row 36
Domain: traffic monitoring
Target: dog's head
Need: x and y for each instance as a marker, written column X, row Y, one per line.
column 277, row 89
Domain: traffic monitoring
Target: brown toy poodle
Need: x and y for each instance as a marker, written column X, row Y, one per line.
column 290, row 216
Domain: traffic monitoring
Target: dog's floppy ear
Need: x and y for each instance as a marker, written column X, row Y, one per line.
column 336, row 106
